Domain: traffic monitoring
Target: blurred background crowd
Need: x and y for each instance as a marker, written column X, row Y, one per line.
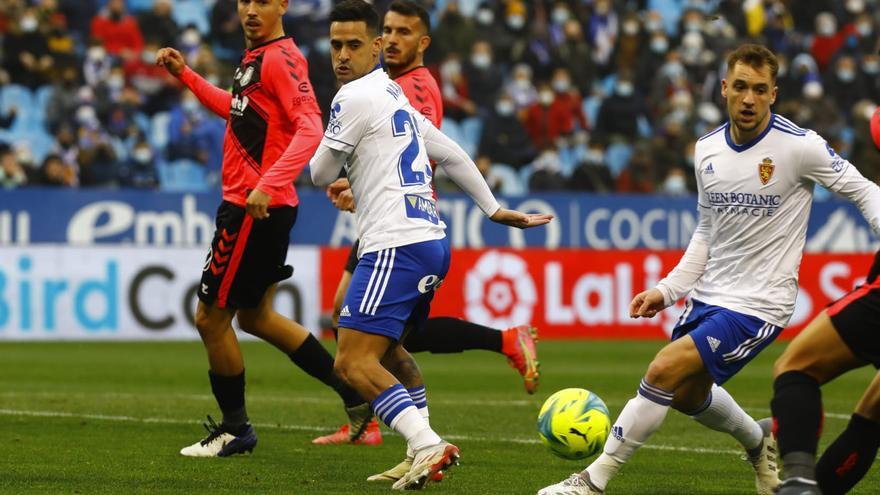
column 582, row 95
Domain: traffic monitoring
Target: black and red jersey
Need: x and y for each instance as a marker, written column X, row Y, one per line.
column 273, row 121
column 423, row 93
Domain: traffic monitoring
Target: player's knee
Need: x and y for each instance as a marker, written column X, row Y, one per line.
column 204, row 323
column 347, row 369
column 662, row 373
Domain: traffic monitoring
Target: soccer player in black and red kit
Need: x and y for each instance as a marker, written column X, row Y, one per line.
column 273, row 128
column 842, row 337
column 406, row 36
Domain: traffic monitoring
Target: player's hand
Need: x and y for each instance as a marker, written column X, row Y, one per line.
column 172, row 60
column 257, row 204
column 337, row 187
column 513, row 218
column 647, row 304
column 345, row 201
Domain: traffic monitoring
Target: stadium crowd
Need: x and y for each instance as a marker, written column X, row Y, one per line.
column 583, row 95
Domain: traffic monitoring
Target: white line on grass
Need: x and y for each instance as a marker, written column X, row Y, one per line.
column 171, row 421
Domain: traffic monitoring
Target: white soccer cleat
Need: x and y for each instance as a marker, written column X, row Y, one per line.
column 220, row 443
column 428, row 462
column 766, row 469
column 395, row 473
column 574, row 485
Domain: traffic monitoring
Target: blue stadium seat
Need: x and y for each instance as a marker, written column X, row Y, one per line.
column 135, row 6
column 525, row 174
column 20, row 98
column 186, row 12
column 617, row 157
column 471, row 130
column 183, row 176
column 511, row 184
column 42, row 95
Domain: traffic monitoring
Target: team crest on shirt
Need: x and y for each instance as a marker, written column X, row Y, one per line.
column 765, row 170
column 247, row 76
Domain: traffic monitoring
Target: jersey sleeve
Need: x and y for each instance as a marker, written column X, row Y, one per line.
column 822, row 165
column 214, row 98
column 690, row 268
column 349, row 114
column 287, row 78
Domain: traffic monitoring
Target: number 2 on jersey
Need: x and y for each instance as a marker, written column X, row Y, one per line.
column 408, row 177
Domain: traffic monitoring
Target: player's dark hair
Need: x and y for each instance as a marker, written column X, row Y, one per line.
column 354, row 11
column 409, row 8
column 755, row 56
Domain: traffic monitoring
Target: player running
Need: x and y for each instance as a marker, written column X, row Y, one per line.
column 841, row 338
column 273, row 127
column 385, row 145
column 406, row 36
column 755, row 178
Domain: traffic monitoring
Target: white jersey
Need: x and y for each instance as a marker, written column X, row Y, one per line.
column 372, row 122
column 754, row 202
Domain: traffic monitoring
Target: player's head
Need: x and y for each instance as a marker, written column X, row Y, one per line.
column 261, row 19
column 750, row 86
column 405, row 35
column 354, row 39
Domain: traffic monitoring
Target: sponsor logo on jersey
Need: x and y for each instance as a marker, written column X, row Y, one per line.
column 239, row 105
column 345, row 311
column 737, row 203
column 765, row 170
column 419, row 207
column 247, row 76
column 334, row 125
column 709, row 169
column 429, row 283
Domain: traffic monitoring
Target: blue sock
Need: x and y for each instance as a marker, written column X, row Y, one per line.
column 391, row 402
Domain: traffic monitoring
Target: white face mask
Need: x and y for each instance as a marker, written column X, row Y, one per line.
column 29, row 24
column 191, row 38
column 142, row 155
column 855, row 6
column 624, row 88
column 148, row 56
column 190, row 105
column 561, row 85
column 631, row 28
column 560, row 15
column 516, row 21
column 485, row 17
column 504, row 108
column 865, row 29
column 826, row 28
column 653, row 25
column 846, row 75
column 522, row 83
column 813, row 90
column 872, row 67
column 116, row 82
column 481, row 60
column 675, row 184
column 546, row 97
column 97, row 53
column 659, row 45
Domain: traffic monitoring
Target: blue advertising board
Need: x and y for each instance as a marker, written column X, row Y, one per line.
column 621, row 222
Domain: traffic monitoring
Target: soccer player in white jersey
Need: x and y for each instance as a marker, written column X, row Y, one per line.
column 385, row 146
column 755, row 178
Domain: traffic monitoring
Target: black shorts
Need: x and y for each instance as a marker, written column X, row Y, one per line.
column 247, row 256
column 352, row 260
column 856, row 317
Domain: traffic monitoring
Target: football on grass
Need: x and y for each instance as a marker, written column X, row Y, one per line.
column 574, row 423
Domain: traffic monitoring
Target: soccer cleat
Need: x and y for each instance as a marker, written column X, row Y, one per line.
column 399, row 471
column 358, row 419
column 574, row 485
column 221, row 443
column 518, row 344
column 372, row 435
column 766, row 470
column 798, row 486
column 428, row 462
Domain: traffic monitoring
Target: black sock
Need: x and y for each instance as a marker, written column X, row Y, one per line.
column 797, row 410
column 229, row 392
column 847, row 460
column 314, row 359
column 445, row 335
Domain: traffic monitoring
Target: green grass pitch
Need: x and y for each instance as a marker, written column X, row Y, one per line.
column 109, row 418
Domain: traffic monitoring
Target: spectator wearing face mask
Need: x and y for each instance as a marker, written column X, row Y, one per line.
column 630, row 44
column 97, row 63
column 140, row 168
column 484, row 78
column 504, row 139
column 845, row 84
column 675, row 183
column 619, row 112
column 602, row 33
column 648, row 65
column 870, row 70
column 457, row 104
column 539, row 118
column 225, row 36
column 454, row 34
column 573, row 53
column 26, row 54
column 567, row 109
column 817, row 111
column 828, row 39
column 520, row 88
column 119, row 32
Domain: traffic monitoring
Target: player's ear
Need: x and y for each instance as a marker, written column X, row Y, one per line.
column 377, row 45
column 724, row 88
column 283, row 5
column 424, row 43
column 773, row 94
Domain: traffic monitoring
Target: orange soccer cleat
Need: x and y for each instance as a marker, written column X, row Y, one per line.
column 518, row 344
column 372, row 435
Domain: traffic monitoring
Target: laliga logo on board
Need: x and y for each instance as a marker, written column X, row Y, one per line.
column 499, row 291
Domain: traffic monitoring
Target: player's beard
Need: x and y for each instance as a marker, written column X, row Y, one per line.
column 404, row 62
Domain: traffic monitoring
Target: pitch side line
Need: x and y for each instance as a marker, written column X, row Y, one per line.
column 275, row 426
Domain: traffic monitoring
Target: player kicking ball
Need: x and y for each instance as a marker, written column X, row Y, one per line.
column 405, row 37
column 385, row 146
column 755, row 177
